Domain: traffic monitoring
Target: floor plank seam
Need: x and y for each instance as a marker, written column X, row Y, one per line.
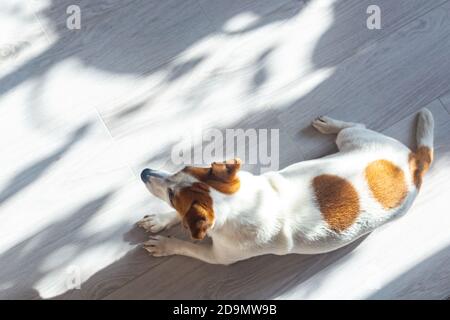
column 39, row 21
column 408, row 115
column 208, row 18
column 443, row 105
column 114, row 142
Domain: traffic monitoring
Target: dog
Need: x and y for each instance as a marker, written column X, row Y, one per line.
column 310, row 207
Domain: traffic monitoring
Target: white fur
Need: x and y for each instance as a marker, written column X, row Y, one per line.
column 276, row 213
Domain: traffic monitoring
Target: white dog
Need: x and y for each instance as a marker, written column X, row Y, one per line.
column 309, row 207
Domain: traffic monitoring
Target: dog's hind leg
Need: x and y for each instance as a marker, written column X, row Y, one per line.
column 327, row 125
column 358, row 137
column 350, row 135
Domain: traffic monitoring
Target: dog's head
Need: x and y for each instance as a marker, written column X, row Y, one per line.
column 188, row 191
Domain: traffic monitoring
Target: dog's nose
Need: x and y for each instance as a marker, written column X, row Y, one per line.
column 145, row 174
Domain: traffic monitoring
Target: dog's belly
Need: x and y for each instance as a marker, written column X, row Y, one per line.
column 332, row 202
column 312, row 234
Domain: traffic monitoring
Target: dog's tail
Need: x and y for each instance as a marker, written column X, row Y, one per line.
column 420, row 160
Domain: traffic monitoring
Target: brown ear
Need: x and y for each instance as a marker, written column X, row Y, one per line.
column 198, row 219
column 221, row 176
column 226, row 171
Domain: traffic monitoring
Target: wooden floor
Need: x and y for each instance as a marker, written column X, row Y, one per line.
column 83, row 111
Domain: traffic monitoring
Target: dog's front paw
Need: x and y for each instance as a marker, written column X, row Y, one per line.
column 154, row 222
column 160, row 246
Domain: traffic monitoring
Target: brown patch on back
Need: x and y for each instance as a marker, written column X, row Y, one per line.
column 338, row 201
column 387, row 183
column 195, row 205
column 419, row 163
column 221, row 176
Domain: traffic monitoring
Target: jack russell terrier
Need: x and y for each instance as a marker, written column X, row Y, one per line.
column 310, row 207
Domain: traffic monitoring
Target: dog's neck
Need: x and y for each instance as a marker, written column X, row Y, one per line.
column 227, row 208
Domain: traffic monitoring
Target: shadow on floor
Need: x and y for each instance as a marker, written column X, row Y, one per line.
column 419, row 281
column 140, row 32
column 32, row 173
column 176, row 277
column 21, row 265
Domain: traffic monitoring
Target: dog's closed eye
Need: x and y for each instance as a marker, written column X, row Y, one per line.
column 171, row 195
